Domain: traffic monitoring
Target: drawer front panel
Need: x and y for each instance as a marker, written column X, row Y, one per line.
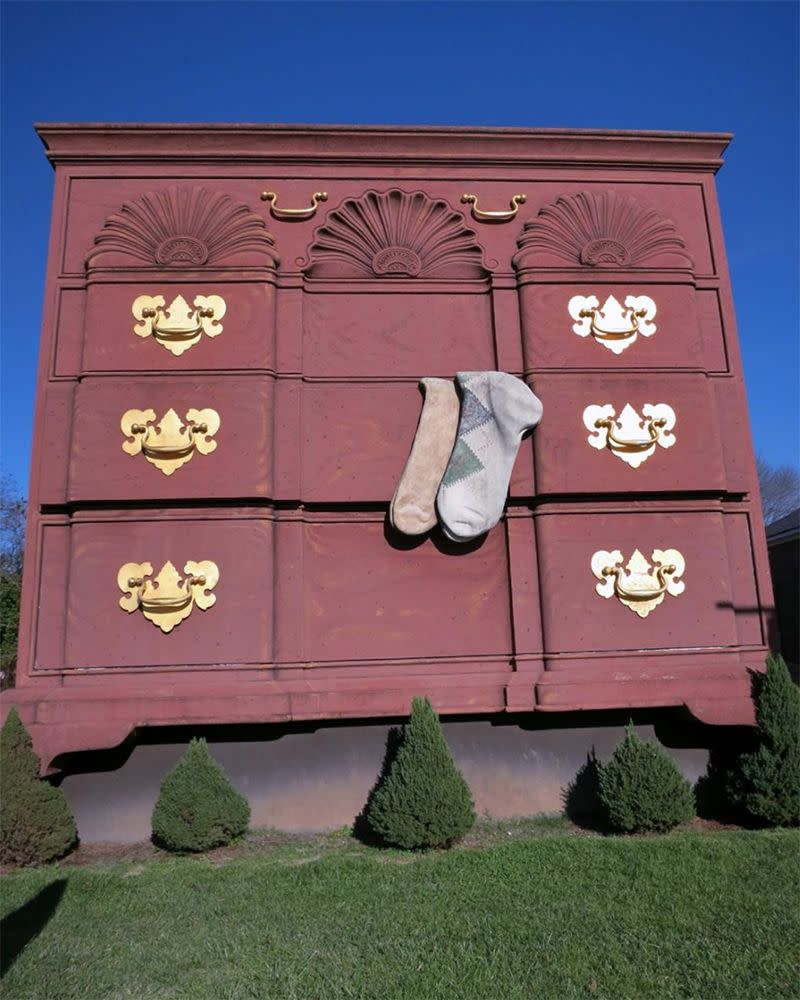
column 246, row 339
column 236, row 629
column 576, row 618
column 375, row 335
column 614, row 336
column 170, row 459
column 363, row 598
column 650, row 448
column 357, row 439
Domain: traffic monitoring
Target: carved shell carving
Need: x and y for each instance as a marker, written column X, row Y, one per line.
column 395, row 234
column 600, row 229
column 187, row 228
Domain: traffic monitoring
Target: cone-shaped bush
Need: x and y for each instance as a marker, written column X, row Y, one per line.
column 423, row 800
column 642, row 788
column 768, row 780
column 36, row 824
column 198, row 807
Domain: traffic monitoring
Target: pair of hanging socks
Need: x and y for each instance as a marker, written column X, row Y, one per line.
column 462, row 464
column 496, row 411
column 413, row 510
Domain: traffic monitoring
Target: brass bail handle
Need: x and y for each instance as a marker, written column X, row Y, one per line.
column 170, row 602
column 495, row 215
column 293, row 214
column 177, row 333
column 154, row 448
column 600, row 334
column 643, row 594
column 654, row 428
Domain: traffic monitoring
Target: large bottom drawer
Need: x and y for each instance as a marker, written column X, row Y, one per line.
column 121, row 590
column 324, row 616
column 621, row 577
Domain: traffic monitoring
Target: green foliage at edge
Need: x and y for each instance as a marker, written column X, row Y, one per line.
column 198, row 808
column 36, row 824
column 767, row 781
column 10, row 589
column 423, row 800
column 12, row 545
column 643, row 789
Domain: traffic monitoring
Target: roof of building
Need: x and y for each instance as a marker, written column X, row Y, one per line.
column 785, row 529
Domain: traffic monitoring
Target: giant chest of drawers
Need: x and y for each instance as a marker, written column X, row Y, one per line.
column 228, row 392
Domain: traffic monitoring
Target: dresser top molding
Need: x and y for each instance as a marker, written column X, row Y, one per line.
column 88, row 142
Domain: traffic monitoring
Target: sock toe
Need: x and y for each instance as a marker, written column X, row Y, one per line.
column 413, row 520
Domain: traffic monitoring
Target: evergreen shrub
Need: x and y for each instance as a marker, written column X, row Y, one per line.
column 767, row 781
column 643, row 789
column 423, row 800
column 198, row 807
column 36, row 824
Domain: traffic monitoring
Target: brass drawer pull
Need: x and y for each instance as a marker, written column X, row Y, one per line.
column 642, row 444
column 178, row 326
column 641, row 585
column 614, row 326
column 600, row 334
column 170, row 597
column 497, row 215
column 293, row 214
column 171, row 442
column 622, row 434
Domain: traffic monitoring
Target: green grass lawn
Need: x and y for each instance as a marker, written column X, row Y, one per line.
column 545, row 915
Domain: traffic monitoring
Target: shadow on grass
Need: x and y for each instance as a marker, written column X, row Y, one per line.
column 361, row 828
column 19, row 928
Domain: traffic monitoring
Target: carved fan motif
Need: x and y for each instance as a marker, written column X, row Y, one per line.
column 183, row 228
column 600, row 229
column 395, row 234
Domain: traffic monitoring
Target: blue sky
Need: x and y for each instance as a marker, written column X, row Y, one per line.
column 713, row 66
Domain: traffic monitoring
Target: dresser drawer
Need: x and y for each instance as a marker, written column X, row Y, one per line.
column 356, row 439
column 366, row 598
column 82, row 564
column 183, row 438
column 602, row 324
column 716, row 607
column 627, row 434
column 374, row 334
column 160, row 324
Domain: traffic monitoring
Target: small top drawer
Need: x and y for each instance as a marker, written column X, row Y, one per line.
column 163, row 324
column 617, row 325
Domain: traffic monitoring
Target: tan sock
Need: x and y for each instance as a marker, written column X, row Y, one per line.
column 413, row 508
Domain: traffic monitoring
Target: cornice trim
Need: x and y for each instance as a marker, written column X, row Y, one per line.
column 69, row 142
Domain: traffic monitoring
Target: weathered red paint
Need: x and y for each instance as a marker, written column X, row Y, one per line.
column 322, row 612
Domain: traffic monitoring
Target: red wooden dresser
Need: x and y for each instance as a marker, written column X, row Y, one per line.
column 228, row 393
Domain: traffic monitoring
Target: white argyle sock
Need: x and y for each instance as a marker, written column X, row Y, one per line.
column 496, row 410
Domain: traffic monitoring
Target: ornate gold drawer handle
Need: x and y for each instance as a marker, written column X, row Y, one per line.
column 615, row 443
column 643, row 593
column 600, row 334
column 171, row 442
column 641, row 585
column 495, row 215
column 613, row 325
column 293, row 214
column 178, row 326
column 170, row 597
column 622, row 434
